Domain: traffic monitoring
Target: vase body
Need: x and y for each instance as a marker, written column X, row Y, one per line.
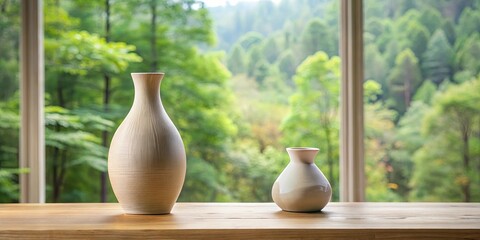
column 301, row 187
column 146, row 160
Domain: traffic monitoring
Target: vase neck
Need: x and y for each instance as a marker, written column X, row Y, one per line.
column 302, row 155
column 147, row 87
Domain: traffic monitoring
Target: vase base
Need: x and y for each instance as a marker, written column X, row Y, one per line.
column 139, row 210
column 145, row 213
column 303, row 211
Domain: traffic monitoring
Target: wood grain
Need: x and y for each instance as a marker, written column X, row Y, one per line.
column 243, row 221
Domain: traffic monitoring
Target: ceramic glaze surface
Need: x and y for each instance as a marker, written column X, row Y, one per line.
column 301, row 187
column 146, row 160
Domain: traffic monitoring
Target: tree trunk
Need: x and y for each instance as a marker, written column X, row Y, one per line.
column 56, row 166
column 407, row 91
column 106, row 101
column 62, row 172
column 60, row 97
column 153, row 39
column 3, row 7
column 466, row 159
column 477, row 135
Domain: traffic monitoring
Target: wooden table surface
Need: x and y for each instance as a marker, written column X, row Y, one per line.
column 243, row 221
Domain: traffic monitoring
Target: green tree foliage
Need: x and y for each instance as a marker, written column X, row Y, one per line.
column 372, row 91
column 388, row 34
column 403, row 6
column 438, row 58
column 403, row 21
column 261, row 71
column 9, row 101
column 9, row 39
column 425, row 92
column 287, row 35
column 166, row 38
column 468, row 23
column 263, row 11
column 449, row 30
column 392, row 50
column 80, row 53
column 270, row 50
column 254, row 57
column 467, row 55
column 404, row 80
column 71, row 143
column 9, row 127
column 207, row 140
column 375, row 67
column 407, row 139
column 447, row 164
column 415, row 28
column 316, row 37
column 72, row 56
column 199, row 81
column 250, row 39
column 374, row 26
column 259, row 156
column 167, row 32
column 379, row 128
column 431, row 19
column 236, row 61
column 416, row 38
column 313, row 118
column 286, row 64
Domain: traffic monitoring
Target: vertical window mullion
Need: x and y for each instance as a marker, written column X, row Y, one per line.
column 32, row 143
column 352, row 180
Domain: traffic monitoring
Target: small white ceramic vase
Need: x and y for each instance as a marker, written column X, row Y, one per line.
column 301, row 187
column 146, row 160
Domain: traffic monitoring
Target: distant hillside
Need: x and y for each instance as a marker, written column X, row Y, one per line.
column 265, row 17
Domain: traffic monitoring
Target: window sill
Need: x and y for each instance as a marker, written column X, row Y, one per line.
column 242, row 221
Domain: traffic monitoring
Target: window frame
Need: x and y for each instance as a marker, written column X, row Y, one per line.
column 32, row 133
column 352, row 167
column 32, row 130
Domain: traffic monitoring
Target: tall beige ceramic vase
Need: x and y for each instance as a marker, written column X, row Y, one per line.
column 301, row 187
column 146, row 161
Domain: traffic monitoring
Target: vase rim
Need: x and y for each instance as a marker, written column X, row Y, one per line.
column 148, row 73
column 302, row 148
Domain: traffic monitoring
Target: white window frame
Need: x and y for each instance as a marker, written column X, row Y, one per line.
column 352, row 168
column 32, row 130
column 32, row 135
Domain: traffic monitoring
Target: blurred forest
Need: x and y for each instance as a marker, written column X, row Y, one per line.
column 245, row 81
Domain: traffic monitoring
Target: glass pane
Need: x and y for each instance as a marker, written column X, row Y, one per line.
column 285, row 79
column 9, row 100
column 87, row 91
column 243, row 81
column 422, row 92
